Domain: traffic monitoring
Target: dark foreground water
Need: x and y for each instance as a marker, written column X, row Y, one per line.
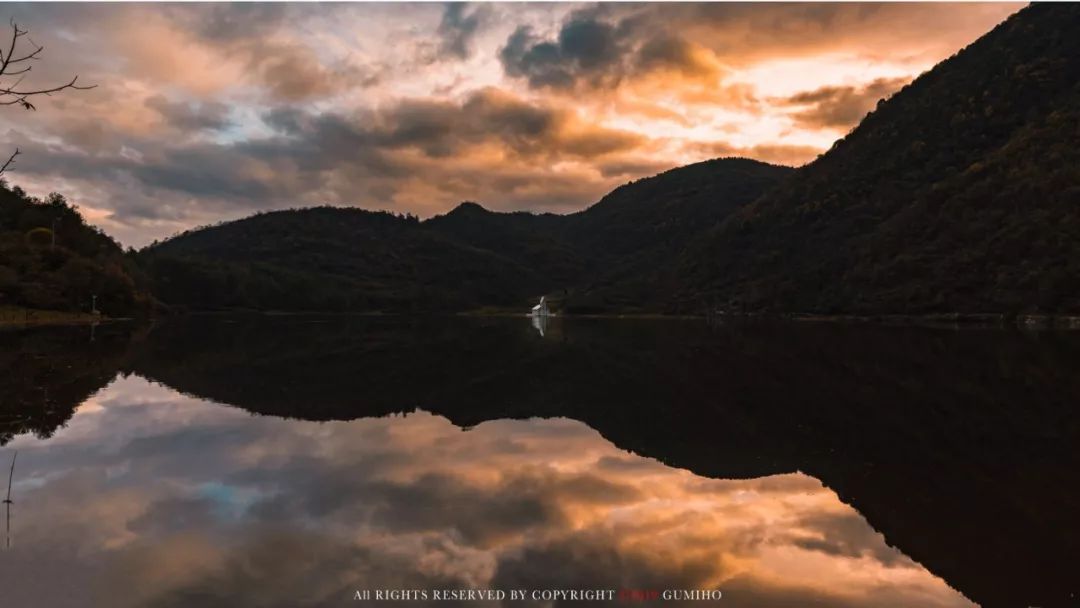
column 294, row 461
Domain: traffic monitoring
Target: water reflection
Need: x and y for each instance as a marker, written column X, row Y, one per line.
column 149, row 497
column 539, row 323
column 959, row 446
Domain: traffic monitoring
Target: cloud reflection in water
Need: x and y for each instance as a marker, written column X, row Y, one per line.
column 151, row 498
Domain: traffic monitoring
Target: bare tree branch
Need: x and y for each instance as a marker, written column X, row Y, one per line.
column 71, row 85
column 11, row 50
column 10, row 160
column 10, row 92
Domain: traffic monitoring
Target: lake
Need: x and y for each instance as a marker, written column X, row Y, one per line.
column 311, row 460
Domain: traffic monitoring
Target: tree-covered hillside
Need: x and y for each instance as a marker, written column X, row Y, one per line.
column 341, row 259
column 635, row 234
column 51, row 259
column 330, row 259
column 960, row 193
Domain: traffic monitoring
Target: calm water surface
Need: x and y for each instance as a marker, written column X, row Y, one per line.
column 293, row 461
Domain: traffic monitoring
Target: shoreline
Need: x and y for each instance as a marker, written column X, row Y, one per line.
column 14, row 317
column 1000, row 320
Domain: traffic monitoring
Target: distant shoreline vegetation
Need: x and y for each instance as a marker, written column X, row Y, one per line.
column 15, row 316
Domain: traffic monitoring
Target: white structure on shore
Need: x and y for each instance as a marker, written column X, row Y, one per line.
column 541, row 309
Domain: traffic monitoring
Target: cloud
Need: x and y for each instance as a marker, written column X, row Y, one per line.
column 668, row 52
column 742, row 33
column 458, row 29
column 490, row 117
column 208, row 112
column 609, row 45
column 592, row 53
column 840, row 107
column 190, row 116
column 215, row 49
column 409, row 155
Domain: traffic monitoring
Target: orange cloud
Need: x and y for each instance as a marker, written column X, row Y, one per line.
column 840, row 107
column 210, row 112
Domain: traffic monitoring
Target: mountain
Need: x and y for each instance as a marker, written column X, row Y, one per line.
column 636, row 233
column 534, row 241
column 328, row 258
column 959, row 193
column 51, row 259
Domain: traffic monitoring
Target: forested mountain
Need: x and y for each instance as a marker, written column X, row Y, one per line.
column 635, row 234
column 329, row 259
column 960, row 193
column 349, row 259
column 50, row 258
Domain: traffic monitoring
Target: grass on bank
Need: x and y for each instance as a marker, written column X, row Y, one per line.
column 18, row 316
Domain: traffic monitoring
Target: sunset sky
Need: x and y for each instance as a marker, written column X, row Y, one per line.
column 209, row 112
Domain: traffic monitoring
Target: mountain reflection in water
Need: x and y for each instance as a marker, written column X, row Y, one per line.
column 148, row 497
column 959, row 446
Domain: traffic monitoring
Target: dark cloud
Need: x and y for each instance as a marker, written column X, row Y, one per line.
column 632, row 168
column 190, row 116
column 523, row 501
column 204, row 170
column 673, row 53
column 293, row 72
column 458, row 28
column 588, row 43
column 439, row 129
column 597, row 560
column 541, row 63
column 840, row 107
column 226, row 23
column 591, row 51
column 848, row 535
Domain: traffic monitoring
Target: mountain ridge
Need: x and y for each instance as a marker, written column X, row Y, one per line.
column 467, row 258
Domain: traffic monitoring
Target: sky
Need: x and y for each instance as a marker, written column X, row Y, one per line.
column 210, row 112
